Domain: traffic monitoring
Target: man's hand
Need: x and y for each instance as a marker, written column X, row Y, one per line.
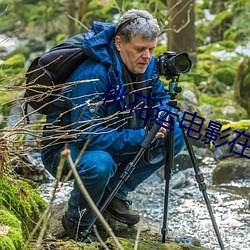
column 162, row 131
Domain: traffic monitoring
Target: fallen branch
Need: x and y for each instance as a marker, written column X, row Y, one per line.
column 65, row 154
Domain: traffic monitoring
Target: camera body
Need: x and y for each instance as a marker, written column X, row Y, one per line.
column 171, row 65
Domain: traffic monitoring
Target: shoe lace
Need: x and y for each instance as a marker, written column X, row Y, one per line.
column 127, row 203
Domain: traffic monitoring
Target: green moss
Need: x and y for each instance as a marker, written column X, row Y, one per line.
column 239, row 125
column 6, row 243
column 21, row 199
column 225, row 75
column 13, row 70
column 16, row 61
column 228, row 45
column 16, row 237
column 128, row 244
column 242, row 84
column 9, row 219
column 13, row 239
column 214, row 101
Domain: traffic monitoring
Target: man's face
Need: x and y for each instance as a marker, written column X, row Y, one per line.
column 137, row 53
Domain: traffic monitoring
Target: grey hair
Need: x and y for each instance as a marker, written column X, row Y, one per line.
column 137, row 22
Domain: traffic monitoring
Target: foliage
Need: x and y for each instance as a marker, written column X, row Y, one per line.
column 227, row 21
column 12, row 71
column 224, row 75
column 12, row 239
column 225, row 108
column 22, row 200
column 242, row 84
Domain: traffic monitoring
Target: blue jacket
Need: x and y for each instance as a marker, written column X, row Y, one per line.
column 89, row 116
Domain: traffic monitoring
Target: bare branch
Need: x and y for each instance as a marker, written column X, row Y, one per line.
column 66, row 154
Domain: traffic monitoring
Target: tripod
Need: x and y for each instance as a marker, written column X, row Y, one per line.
column 173, row 90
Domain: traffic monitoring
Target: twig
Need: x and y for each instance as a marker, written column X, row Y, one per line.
column 99, row 238
column 66, row 155
column 45, row 217
column 77, row 21
column 137, row 236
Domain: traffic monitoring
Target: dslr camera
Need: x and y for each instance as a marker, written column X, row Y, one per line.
column 171, row 65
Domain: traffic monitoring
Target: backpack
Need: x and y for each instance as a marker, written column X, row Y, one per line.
column 47, row 73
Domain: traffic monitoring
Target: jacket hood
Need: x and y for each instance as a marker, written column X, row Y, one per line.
column 98, row 42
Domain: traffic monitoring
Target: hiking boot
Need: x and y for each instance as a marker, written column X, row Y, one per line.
column 75, row 231
column 121, row 211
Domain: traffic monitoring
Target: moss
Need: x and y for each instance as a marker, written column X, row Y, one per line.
column 13, row 239
column 225, row 75
column 242, row 84
column 228, row 45
column 21, row 199
column 214, row 101
column 6, row 96
column 6, row 243
column 16, row 237
column 9, row 219
column 16, row 61
column 128, row 244
column 13, row 70
column 239, row 125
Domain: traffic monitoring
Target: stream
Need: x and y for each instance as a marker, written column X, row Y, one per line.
column 187, row 212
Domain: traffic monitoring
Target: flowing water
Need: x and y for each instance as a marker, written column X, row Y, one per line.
column 187, row 212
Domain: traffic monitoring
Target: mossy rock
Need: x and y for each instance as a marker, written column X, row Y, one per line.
column 242, row 84
column 21, row 199
column 225, row 75
column 11, row 237
column 221, row 105
column 128, row 244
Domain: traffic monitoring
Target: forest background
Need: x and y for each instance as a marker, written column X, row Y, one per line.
column 216, row 35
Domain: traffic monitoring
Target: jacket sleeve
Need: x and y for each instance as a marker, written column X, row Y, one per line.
column 89, row 118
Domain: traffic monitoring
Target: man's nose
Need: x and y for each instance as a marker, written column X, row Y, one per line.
column 146, row 54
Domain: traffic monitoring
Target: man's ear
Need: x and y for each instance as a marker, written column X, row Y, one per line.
column 118, row 42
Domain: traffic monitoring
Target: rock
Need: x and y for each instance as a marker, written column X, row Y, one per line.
column 181, row 179
column 189, row 96
column 231, row 168
column 149, row 237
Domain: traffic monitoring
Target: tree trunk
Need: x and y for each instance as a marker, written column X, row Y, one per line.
column 71, row 6
column 181, row 27
column 83, row 7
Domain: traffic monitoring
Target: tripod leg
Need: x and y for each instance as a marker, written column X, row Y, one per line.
column 169, row 145
column 202, row 186
column 126, row 173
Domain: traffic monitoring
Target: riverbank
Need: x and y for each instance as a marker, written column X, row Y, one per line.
column 188, row 216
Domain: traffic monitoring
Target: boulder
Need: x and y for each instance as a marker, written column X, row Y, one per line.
column 149, row 237
column 231, row 168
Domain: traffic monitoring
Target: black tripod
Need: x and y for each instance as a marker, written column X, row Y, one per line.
column 126, row 173
column 173, row 90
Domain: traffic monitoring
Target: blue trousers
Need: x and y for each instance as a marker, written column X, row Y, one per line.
column 100, row 170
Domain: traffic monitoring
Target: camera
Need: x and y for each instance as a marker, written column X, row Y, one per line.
column 171, row 65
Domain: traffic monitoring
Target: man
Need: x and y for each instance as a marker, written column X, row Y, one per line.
column 108, row 115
